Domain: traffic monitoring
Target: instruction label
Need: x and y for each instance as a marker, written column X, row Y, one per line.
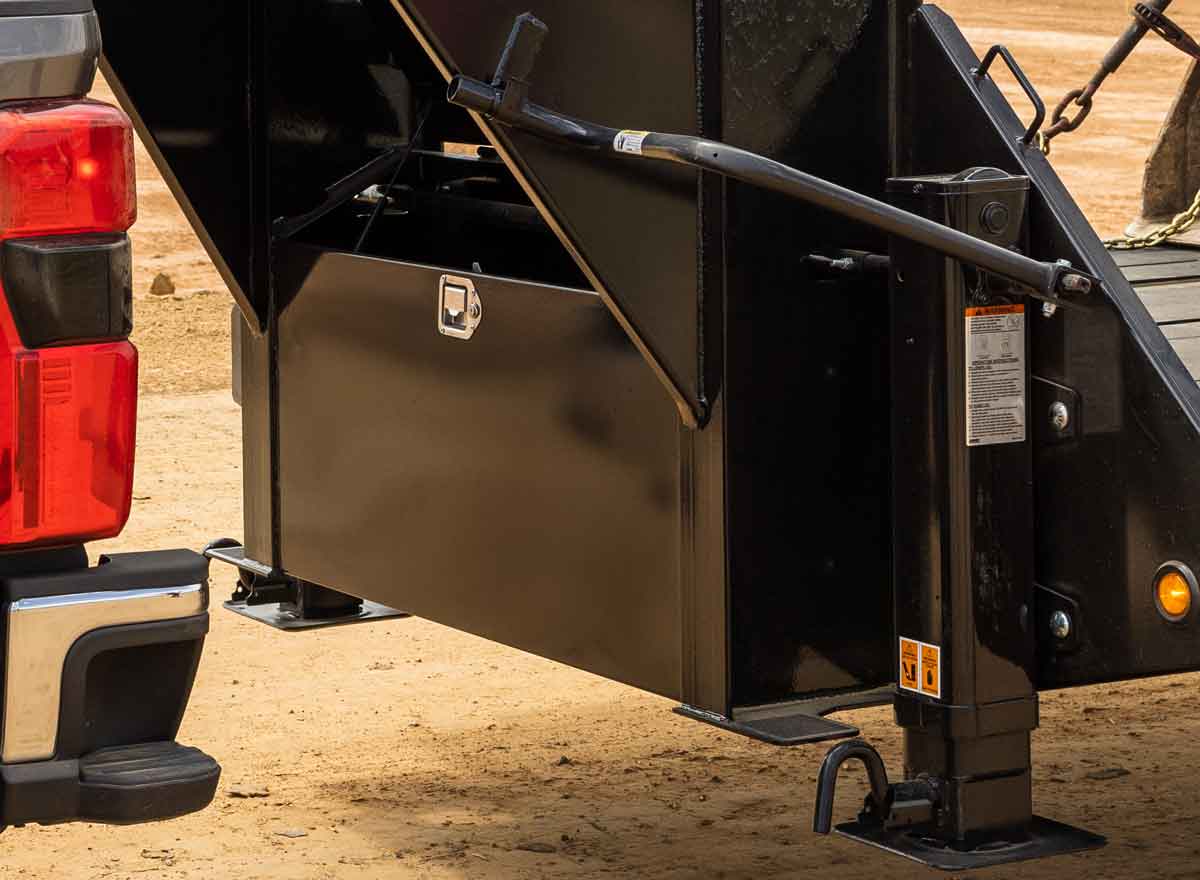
column 920, row 668
column 630, row 141
column 931, row 671
column 910, row 665
column 995, row 375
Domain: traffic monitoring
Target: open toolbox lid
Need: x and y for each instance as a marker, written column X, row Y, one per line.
column 636, row 236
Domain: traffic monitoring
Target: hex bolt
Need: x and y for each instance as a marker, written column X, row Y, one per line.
column 1049, row 310
column 1060, row 416
column 1060, row 624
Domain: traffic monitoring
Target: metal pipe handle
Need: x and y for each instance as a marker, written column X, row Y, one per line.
column 827, row 780
column 1039, row 106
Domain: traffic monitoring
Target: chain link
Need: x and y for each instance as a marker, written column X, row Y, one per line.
column 1182, row 223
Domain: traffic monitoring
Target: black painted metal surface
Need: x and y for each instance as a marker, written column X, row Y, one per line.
column 523, row 485
column 192, row 116
column 963, row 500
column 1118, row 501
column 807, row 438
column 636, row 237
column 783, row 496
column 775, row 513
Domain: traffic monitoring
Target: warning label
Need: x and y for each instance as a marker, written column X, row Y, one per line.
column 630, row 141
column 995, row 375
column 931, row 671
column 910, row 664
column 920, row 668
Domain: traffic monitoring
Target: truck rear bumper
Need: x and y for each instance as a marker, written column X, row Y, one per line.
column 99, row 666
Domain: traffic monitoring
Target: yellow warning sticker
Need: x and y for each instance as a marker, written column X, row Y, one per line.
column 630, row 141
column 910, row 665
column 931, row 671
column 920, row 668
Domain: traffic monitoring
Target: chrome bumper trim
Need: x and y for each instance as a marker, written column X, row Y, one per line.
column 41, row 633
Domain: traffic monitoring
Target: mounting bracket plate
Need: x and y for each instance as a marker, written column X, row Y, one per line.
column 284, row 615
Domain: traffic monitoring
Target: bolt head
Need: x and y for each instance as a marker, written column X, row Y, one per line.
column 1049, row 310
column 1060, row 416
column 1060, row 624
column 995, row 217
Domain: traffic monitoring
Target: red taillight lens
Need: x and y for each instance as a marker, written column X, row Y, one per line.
column 66, row 458
column 65, row 167
column 67, row 412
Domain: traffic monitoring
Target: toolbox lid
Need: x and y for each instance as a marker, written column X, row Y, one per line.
column 14, row 8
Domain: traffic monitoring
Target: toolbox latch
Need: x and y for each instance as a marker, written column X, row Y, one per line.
column 459, row 307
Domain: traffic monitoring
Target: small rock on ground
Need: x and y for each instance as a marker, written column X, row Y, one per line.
column 162, row 285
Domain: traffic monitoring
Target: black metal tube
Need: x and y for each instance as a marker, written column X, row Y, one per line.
column 738, row 164
column 487, row 100
column 769, row 174
column 1126, row 44
column 827, row 780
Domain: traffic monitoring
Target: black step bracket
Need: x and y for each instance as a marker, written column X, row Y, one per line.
column 1041, row 839
column 262, row 583
column 796, row 722
column 286, row 616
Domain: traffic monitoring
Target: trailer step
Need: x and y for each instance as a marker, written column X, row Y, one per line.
column 794, row 723
column 145, row 782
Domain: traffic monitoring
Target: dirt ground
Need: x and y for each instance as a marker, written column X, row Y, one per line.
column 406, row 749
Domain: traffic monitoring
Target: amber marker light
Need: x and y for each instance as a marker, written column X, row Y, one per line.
column 1175, row 591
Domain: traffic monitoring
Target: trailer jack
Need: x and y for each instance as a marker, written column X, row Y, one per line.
column 906, row 818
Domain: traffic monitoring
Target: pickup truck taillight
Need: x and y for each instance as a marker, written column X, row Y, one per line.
column 68, row 374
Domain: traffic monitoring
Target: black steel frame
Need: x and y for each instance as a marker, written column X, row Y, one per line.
column 756, row 475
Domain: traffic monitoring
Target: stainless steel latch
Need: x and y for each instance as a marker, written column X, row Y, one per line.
column 459, row 307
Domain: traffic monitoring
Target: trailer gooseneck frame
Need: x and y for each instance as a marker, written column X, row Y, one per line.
column 664, row 421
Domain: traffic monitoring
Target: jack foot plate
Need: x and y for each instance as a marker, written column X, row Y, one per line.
column 1043, row 838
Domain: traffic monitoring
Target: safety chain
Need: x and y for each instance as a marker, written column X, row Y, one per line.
column 1148, row 16
column 1182, row 223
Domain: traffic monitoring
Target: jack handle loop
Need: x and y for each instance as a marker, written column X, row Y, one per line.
column 827, row 780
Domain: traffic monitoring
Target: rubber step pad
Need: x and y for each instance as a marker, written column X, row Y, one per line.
column 143, row 782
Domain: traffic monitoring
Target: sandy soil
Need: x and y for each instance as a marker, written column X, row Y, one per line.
column 409, row 750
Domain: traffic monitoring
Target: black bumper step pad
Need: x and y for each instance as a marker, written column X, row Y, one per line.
column 141, row 783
